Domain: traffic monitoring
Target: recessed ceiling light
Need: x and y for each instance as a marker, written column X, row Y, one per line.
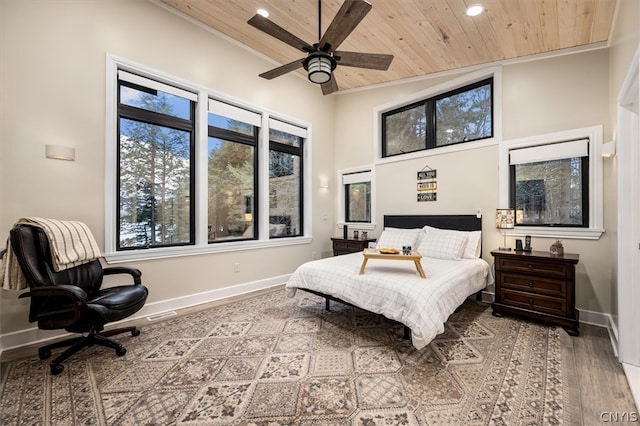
column 475, row 10
column 262, row 12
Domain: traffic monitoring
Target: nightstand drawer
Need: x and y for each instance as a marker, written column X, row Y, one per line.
column 537, row 285
column 533, row 266
column 540, row 303
column 350, row 246
column 345, row 246
column 534, row 284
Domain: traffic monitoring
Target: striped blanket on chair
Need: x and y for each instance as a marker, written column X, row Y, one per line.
column 71, row 244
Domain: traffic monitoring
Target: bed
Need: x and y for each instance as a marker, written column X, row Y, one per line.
column 451, row 250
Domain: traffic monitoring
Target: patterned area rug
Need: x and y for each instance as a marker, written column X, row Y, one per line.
column 272, row 360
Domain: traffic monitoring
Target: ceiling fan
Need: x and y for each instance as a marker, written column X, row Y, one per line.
column 322, row 57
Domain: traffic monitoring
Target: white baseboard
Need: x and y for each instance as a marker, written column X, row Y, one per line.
column 595, row 318
column 34, row 335
column 633, row 377
column 602, row 320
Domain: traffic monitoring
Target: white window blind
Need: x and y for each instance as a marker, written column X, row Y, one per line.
column 287, row 128
column 554, row 151
column 235, row 113
column 356, row 177
column 156, row 85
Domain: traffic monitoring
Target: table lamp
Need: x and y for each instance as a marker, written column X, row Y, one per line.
column 505, row 219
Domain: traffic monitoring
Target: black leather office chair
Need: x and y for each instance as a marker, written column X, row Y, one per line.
column 73, row 299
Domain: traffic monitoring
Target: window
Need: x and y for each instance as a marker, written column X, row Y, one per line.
column 155, row 158
column 232, row 163
column 189, row 172
column 549, row 184
column 457, row 116
column 285, row 179
column 554, row 182
column 356, row 200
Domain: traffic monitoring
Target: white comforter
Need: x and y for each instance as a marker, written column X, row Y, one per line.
column 394, row 289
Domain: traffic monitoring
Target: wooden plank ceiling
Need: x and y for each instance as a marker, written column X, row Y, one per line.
column 425, row 36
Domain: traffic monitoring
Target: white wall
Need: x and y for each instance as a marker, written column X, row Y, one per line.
column 539, row 97
column 52, row 80
column 625, row 40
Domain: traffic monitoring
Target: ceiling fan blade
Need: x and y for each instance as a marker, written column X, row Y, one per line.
column 277, row 72
column 274, row 30
column 330, row 86
column 373, row 61
column 346, row 20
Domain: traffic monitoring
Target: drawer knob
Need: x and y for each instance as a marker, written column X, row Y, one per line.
column 530, row 267
column 531, row 301
column 530, row 284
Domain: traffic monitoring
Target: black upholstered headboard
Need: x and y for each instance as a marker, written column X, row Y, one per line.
column 458, row 222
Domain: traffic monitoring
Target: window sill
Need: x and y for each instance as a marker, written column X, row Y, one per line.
column 558, row 232
column 168, row 252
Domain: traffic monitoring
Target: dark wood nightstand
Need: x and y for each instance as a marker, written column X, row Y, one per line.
column 342, row 246
column 537, row 285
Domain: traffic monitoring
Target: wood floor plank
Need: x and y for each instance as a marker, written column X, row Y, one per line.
column 601, row 379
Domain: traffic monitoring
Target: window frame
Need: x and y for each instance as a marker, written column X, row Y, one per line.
column 585, row 193
column 293, row 151
column 246, row 140
column 199, row 174
column 341, row 197
column 436, row 92
column 133, row 113
column 596, row 207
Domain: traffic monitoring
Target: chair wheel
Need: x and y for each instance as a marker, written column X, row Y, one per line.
column 121, row 351
column 44, row 354
column 135, row 332
column 56, row 369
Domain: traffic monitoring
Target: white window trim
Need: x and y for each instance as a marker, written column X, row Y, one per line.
column 596, row 207
column 201, row 246
column 340, row 192
column 495, row 72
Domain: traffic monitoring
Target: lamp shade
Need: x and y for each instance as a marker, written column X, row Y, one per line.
column 505, row 218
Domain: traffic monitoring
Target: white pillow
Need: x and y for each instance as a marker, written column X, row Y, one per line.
column 473, row 246
column 397, row 238
column 443, row 243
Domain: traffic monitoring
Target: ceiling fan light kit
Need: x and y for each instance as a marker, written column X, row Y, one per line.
column 319, row 65
column 322, row 57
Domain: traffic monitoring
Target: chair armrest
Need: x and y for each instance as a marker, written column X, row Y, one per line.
column 75, row 293
column 134, row 272
column 52, row 313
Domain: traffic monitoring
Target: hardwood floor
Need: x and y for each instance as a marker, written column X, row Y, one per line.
column 603, row 387
column 604, row 391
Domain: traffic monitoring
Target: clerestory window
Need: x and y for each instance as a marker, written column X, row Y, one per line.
column 457, row 116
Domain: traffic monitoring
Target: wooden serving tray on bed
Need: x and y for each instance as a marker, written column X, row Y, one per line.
column 375, row 254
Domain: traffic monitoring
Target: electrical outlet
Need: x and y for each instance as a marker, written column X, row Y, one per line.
column 236, row 267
